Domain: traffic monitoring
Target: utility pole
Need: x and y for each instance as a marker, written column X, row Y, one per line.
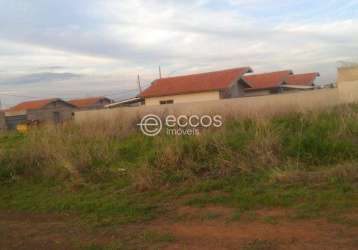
column 160, row 72
column 139, row 84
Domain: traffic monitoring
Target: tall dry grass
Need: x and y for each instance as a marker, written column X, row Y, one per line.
column 103, row 151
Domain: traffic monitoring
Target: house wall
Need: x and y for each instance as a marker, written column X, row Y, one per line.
column 2, row 121
column 236, row 90
column 347, row 74
column 13, row 120
column 47, row 114
column 16, row 113
column 263, row 92
column 348, row 82
column 258, row 93
column 186, row 98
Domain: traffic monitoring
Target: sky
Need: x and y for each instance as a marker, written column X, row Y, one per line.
column 71, row 49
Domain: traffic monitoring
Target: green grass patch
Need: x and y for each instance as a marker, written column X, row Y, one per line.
column 98, row 204
column 254, row 192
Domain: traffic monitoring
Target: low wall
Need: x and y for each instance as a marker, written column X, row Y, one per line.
column 348, row 83
column 347, row 74
column 347, row 92
column 248, row 106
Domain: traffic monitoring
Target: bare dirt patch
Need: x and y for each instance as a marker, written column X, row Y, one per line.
column 298, row 235
column 28, row 231
column 49, row 231
column 222, row 233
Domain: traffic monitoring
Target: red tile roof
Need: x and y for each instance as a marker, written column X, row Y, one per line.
column 302, row 79
column 267, row 80
column 194, row 83
column 85, row 102
column 30, row 105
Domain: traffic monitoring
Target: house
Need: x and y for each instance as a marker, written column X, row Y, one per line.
column 48, row 110
column 277, row 82
column 266, row 83
column 195, row 88
column 91, row 103
column 302, row 80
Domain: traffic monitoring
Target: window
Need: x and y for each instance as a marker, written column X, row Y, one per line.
column 166, row 102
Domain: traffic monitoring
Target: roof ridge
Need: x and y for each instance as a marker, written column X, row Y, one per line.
column 203, row 73
column 272, row 72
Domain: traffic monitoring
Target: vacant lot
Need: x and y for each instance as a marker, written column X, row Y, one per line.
column 289, row 182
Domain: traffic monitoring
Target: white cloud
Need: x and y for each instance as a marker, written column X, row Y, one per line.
column 108, row 40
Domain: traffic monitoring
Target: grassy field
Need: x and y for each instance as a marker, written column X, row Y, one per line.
column 109, row 177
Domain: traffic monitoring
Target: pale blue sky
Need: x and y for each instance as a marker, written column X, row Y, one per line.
column 97, row 47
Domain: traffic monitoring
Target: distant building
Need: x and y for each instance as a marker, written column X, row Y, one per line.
column 195, row 88
column 91, row 103
column 2, row 121
column 265, row 84
column 278, row 82
column 225, row 84
column 43, row 111
column 304, row 80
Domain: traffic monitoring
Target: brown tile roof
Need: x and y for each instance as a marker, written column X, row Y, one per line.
column 194, row 83
column 85, row 102
column 267, row 80
column 30, row 105
column 302, row 79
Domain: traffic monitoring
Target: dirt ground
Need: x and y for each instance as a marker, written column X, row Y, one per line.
column 184, row 228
